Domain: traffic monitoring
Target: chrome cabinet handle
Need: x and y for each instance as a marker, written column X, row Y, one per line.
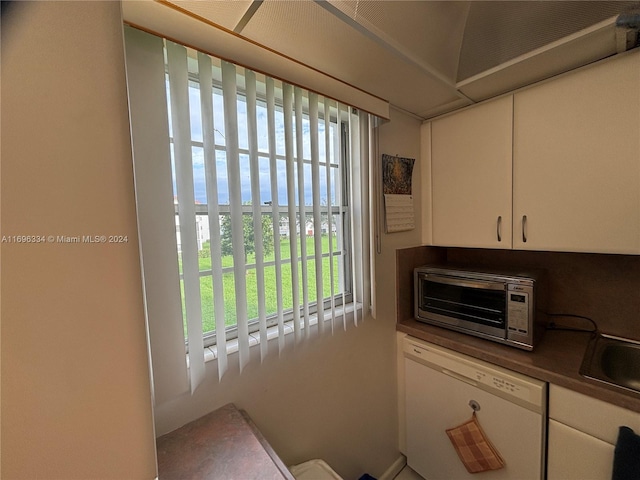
column 524, row 229
column 499, row 228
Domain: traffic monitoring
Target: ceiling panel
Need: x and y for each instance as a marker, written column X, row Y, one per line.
column 590, row 45
column 414, row 53
column 497, row 32
column 225, row 13
column 309, row 33
column 431, row 31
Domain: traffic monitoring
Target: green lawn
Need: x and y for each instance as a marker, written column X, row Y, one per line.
column 206, row 285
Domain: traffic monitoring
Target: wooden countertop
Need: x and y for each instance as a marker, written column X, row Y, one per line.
column 224, row 444
column 556, row 359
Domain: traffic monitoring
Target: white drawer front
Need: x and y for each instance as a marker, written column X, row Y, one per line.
column 589, row 415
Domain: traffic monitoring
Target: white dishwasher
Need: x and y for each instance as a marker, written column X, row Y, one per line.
column 443, row 388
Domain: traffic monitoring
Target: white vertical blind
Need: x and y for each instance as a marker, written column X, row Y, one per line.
column 235, row 203
column 363, row 223
column 300, row 134
column 250, row 81
column 341, row 194
column 156, row 212
column 249, row 152
column 179, row 93
column 354, row 195
column 291, row 201
column 330, row 222
column 275, row 204
column 375, row 197
column 317, row 220
column 205, row 76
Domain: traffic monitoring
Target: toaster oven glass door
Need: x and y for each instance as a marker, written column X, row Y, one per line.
column 473, row 305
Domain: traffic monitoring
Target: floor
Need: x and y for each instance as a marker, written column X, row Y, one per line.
column 407, row 474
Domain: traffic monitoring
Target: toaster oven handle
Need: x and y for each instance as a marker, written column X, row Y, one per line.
column 463, row 282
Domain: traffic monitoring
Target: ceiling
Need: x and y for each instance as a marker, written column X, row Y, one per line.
column 430, row 57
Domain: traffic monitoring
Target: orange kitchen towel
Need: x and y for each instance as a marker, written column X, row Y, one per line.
column 474, row 448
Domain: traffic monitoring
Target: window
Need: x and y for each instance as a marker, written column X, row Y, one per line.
column 252, row 198
column 291, row 205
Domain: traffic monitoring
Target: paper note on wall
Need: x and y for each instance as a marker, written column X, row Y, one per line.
column 398, row 200
column 399, row 213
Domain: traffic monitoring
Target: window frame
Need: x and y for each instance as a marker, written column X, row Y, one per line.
column 340, row 299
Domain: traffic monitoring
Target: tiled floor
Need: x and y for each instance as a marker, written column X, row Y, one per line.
column 408, row 474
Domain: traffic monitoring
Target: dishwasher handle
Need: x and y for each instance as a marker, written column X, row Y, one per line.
column 430, row 359
column 457, row 376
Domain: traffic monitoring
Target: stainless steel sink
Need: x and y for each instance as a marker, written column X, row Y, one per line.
column 613, row 360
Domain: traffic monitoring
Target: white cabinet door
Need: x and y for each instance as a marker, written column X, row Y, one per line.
column 471, row 158
column 577, row 161
column 582, row 435
column 574, row 455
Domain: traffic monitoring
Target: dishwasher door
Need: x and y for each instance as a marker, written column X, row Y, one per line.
column 441, row 385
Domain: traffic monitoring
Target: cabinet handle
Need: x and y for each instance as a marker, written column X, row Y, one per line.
column 499, row 228
column 524, row 229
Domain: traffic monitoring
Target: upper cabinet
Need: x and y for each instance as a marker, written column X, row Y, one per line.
column 555, row 167
column 576, row 161
column 471, row 154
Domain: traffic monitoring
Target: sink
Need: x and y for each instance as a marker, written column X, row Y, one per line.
column 613, row 360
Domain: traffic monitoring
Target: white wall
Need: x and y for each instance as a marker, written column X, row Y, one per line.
column 330, row 398
column 75, row 378
column 400, row 136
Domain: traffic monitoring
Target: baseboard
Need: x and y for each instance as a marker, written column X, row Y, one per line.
column 394, row 469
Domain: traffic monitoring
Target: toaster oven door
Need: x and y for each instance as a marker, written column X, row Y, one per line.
column 463, row 304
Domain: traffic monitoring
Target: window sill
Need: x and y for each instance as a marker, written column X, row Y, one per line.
column 211, row 353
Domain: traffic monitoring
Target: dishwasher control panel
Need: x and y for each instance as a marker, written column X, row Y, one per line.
column 516, row 387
